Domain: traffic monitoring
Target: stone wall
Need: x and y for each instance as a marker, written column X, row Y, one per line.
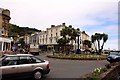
column 113, row 74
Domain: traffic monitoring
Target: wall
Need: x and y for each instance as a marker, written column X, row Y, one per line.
column 0, row 23
column 113, row 75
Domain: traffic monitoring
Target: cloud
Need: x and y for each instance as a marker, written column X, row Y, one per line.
column 45, row 13
column 91, row 16
column 112, row 44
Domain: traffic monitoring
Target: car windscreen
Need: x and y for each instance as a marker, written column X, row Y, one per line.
column 118, row 54
column 36, row 59
column 113, row 53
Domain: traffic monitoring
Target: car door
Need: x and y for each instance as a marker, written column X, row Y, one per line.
column 9, row 66
column 25, row 66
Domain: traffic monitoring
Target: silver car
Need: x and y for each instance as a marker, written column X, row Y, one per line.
column 19, row 65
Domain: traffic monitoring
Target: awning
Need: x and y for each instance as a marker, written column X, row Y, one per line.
column 8, row 40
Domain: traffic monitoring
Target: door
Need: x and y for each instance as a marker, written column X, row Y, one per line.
column 9, row 66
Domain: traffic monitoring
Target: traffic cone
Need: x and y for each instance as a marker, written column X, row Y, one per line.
column 97, row 59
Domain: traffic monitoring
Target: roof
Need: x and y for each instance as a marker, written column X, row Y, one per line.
column 18, row 55
column 24, row 54
column 5, row 12
column 1, row 9
column 85, row 33
column 8, row 40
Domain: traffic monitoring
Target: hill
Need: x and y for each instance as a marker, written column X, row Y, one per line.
column 15, row 30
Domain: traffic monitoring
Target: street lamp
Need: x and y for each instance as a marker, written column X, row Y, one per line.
column 78, row 50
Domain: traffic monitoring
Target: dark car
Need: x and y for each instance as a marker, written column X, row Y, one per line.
column 22, row 65
column 113, row 57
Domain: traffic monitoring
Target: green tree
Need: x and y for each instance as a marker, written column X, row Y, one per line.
column 68, row 34
column 62, row 43
column 87, row 43
column 22, row 42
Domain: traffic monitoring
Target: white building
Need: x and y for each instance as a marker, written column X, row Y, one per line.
column 48, row 39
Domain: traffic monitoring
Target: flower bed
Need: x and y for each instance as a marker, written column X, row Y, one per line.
column 78, row 56
column 105, row 73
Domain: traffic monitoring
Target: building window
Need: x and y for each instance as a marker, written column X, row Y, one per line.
column 0, row 46
column 50, row 40
column 46, row 40
column 56, row 34
column 40, row 40
column 51, row 30
column 2, row 30
column 56, row 40
column 4, row 46
column 51, row 35
column 43, row 41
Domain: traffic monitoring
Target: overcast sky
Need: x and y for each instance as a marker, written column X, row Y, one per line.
column 89, row 15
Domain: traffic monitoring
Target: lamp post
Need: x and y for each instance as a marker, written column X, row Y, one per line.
column 78, row 41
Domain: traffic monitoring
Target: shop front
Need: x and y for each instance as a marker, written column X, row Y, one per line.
column 5, row 45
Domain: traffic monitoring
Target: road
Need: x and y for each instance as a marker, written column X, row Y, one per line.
column 71, row 68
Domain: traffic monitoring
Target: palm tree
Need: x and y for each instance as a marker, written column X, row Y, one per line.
column 63, row 42
column 98, row 38
column 93, row 40
column 65, row 38
column 73, row 34
column 104, row 38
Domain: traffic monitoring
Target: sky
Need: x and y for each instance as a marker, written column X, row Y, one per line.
column 91, row 16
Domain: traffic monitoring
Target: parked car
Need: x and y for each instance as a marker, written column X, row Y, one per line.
column 20, row 65
column 113, row 57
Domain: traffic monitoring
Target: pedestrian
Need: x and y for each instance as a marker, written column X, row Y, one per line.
column 23, row 50
column 53, row 51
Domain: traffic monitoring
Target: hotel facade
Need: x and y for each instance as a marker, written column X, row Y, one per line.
column 48, row 39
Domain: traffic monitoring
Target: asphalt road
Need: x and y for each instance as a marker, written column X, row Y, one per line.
column 71, row 68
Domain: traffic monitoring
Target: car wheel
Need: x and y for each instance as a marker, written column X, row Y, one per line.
column 37, row 75
column 111, row 61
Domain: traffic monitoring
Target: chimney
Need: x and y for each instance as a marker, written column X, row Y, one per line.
column 52, row 26
column 63, row 24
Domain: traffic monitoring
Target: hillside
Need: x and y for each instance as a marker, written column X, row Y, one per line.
column 15, row 30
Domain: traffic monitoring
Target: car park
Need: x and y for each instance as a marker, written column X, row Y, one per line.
column 22, row 65
column 113, row 57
